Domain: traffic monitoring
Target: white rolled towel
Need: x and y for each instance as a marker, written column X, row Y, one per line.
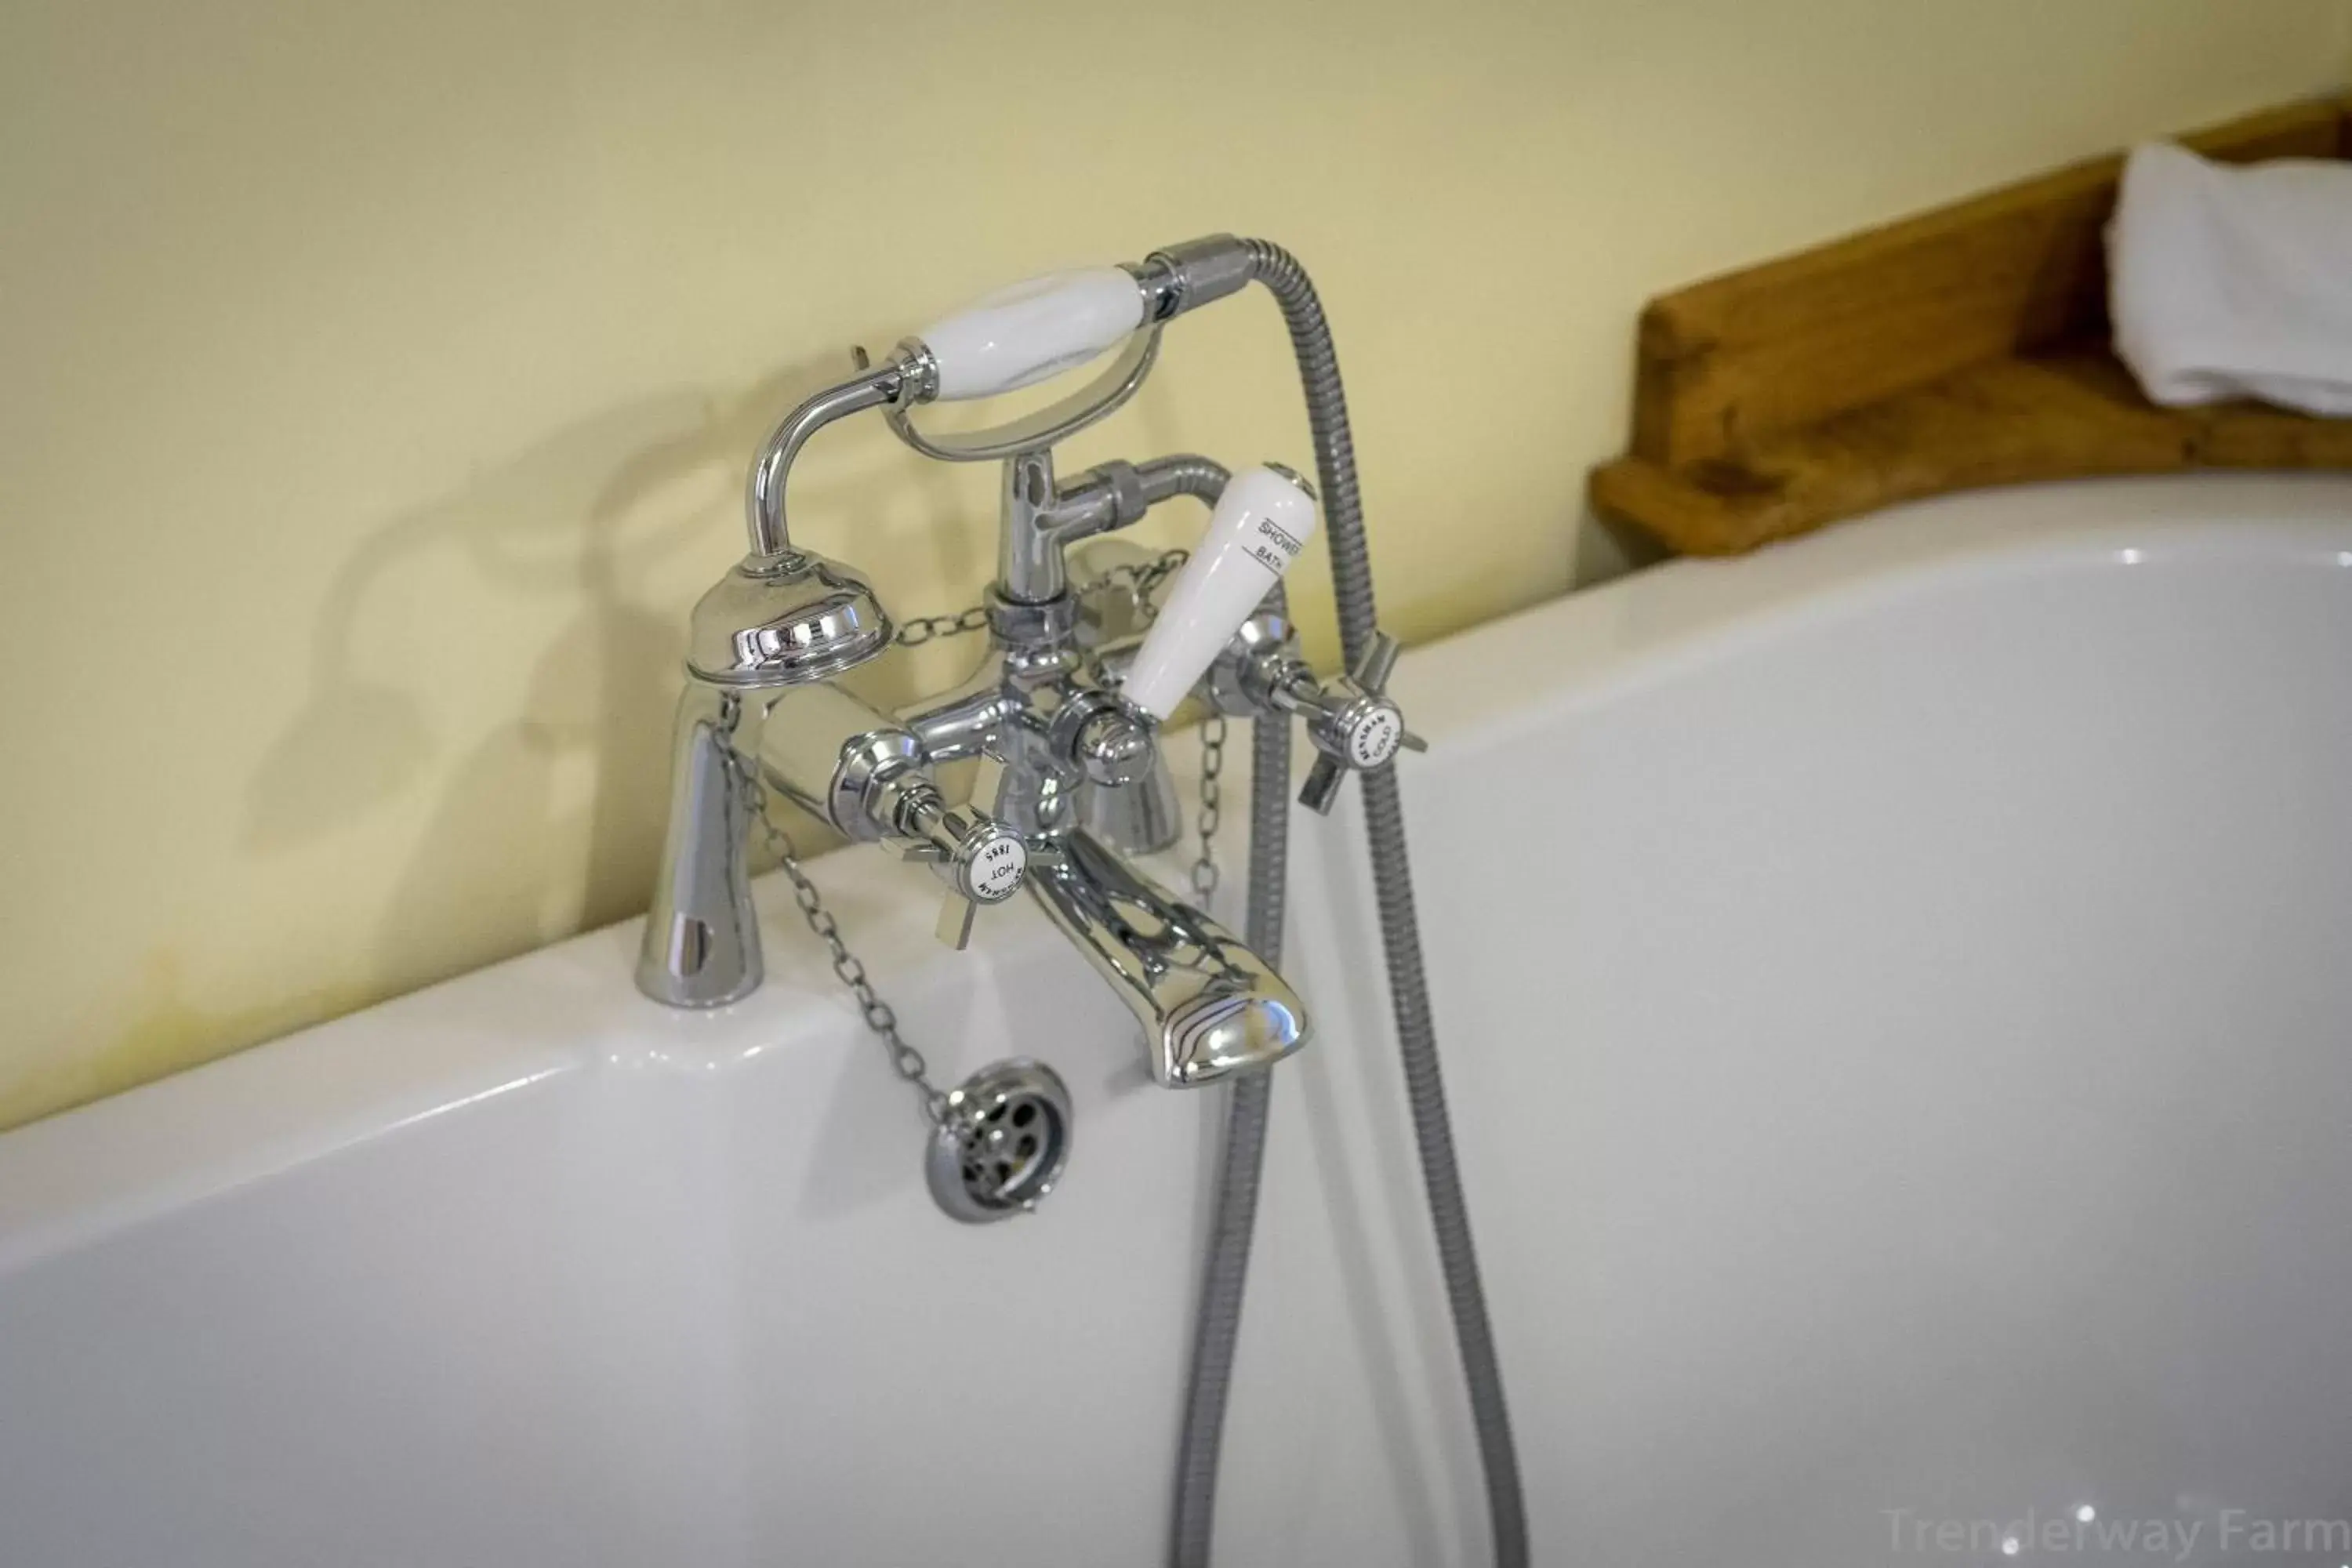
column 2234, row 282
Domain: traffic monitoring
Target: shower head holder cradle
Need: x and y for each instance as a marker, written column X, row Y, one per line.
column 1047, row 427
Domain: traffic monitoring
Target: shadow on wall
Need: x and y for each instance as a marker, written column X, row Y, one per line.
column 552, row 822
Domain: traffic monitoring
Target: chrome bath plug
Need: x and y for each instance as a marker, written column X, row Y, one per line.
column 1001, row 1141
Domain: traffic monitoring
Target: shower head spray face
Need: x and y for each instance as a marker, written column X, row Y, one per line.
column 784, row 621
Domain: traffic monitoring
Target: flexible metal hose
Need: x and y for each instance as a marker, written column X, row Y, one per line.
column 1216, row 1322
column 1212, row 1374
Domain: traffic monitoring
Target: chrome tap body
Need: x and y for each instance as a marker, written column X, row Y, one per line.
column 1043, row 715
column 1042, row 712
column 1046, row 708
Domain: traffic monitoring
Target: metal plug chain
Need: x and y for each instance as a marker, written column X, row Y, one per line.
column 1143, row 581
column 915, row 634
column 905, row 1060
column 1140, row 581
column 1212, row 766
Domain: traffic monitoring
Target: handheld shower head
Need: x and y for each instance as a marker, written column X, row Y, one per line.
column 785, row 620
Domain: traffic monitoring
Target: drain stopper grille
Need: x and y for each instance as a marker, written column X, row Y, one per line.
column 1003, row 1141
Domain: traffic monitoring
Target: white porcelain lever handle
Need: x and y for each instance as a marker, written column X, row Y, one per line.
column 1263, row 521
column 1019, row 336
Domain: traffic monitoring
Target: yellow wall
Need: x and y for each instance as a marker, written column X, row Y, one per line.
column 375, row 378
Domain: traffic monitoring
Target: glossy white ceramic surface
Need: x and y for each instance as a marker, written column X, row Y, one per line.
column 1896, row 1008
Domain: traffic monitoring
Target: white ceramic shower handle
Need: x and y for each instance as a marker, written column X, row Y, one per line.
column 1019, row 336
column 1263, row 521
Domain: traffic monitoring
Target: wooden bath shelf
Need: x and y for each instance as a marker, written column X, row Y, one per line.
column 1963, row 347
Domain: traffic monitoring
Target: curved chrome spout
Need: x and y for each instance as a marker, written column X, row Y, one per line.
column 1210, row 1007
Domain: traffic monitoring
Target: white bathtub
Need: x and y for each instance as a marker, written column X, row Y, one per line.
column 1898, row 1002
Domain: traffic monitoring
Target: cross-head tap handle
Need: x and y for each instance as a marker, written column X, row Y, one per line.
column 1354, row 724
column 982, row 861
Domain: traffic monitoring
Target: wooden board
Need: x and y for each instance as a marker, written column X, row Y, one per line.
column 1961, row 347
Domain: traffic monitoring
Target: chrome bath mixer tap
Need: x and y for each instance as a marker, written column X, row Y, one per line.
column 1050, row 714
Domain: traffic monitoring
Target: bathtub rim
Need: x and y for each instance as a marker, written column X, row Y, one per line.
column 531, row 1023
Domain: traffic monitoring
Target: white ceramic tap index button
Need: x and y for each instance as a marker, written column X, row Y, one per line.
column 994, row 874
column 1263, row 521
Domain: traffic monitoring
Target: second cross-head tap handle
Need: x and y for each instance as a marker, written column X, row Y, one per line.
column 1354, row 725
